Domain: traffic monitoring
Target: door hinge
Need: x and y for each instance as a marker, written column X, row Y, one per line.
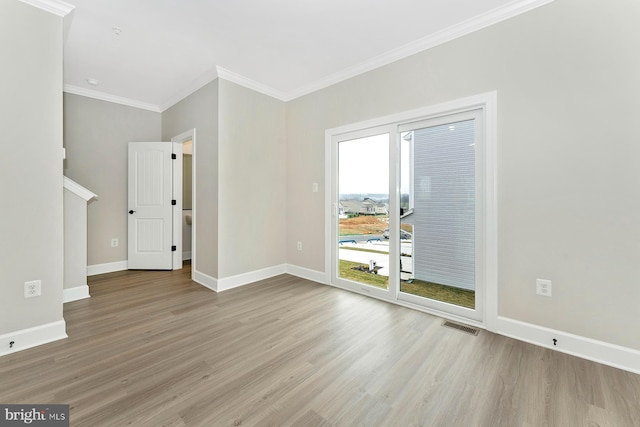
column 173, row 156
column 173, row 202
column 173, row 248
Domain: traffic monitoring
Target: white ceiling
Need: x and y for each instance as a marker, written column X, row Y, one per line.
column 166, row 49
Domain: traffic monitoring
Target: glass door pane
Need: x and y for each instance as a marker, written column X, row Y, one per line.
column 438, row 213
column 363, row 211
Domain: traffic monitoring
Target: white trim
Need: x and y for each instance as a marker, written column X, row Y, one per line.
column 251, row 84
column 250, row 277
column 575, row 345
column 89, row 93
column 109, row 267
column 306, row 273
column 437, row 110
column 186, row 255
column 78, row 189
column 176, row 211
column 75, row 293
column 330, row 159
column 56, row 7
column 204, row 280
column 32, row 337
column 490, row 186
column 469, row 26
column 194, row 86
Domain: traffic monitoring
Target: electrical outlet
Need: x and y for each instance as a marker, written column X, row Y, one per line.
column 32, row 289
column 114, row 243
column 299, row 246
column 543, row 287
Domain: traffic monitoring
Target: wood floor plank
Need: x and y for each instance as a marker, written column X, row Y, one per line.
column 156, row 349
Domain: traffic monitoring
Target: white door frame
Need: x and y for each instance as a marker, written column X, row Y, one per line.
column 486, row 102
column 176, row 182
column 183, row 137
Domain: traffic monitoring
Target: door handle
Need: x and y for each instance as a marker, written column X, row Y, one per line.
column 131, row 212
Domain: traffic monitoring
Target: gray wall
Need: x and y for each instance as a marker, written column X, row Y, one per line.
column 187, row 181
column 200, row 111
column 96, row 137
column 567, row 77
column 240, row 172
column 75, row 240
column 252, row 190
column 31, row 165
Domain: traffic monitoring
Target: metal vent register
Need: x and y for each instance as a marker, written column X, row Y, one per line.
column 463, row 328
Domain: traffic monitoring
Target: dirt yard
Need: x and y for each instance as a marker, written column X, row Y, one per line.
column 364, row 224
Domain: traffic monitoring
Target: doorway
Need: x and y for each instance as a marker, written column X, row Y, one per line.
column 412, row 209
column 188, row 217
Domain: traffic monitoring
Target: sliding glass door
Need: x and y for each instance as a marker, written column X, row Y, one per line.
column 410, row 201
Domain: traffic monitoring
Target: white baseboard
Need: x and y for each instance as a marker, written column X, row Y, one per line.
column 219, row 285
column 598, row 351
column 306, row 273
column 186, row 255
column 32, row 337
column 250, row 277
column 75, row 293
column 109, row 267
column 205, row 280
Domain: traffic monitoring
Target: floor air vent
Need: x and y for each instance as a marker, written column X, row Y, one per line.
column 463, row 328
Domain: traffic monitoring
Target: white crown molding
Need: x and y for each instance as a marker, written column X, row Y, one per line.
column 197, row 84
column 476, row 23
column 111, row 98
column 56, row 7
column 250, row 84
column 78, row 189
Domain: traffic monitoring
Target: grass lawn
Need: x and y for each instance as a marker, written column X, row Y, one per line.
column 448, row 294
column 451, row 295
column 360, row 276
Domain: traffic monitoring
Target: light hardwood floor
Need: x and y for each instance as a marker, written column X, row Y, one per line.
column 155, row 349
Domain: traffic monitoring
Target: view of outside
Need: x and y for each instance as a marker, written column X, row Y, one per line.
column 363, row 185
column 363, row 239
column 441, row 209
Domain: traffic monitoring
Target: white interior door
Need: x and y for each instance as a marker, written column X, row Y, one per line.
column 152, row 238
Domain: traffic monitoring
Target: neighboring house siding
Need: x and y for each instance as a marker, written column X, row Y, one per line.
column 444, row 217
